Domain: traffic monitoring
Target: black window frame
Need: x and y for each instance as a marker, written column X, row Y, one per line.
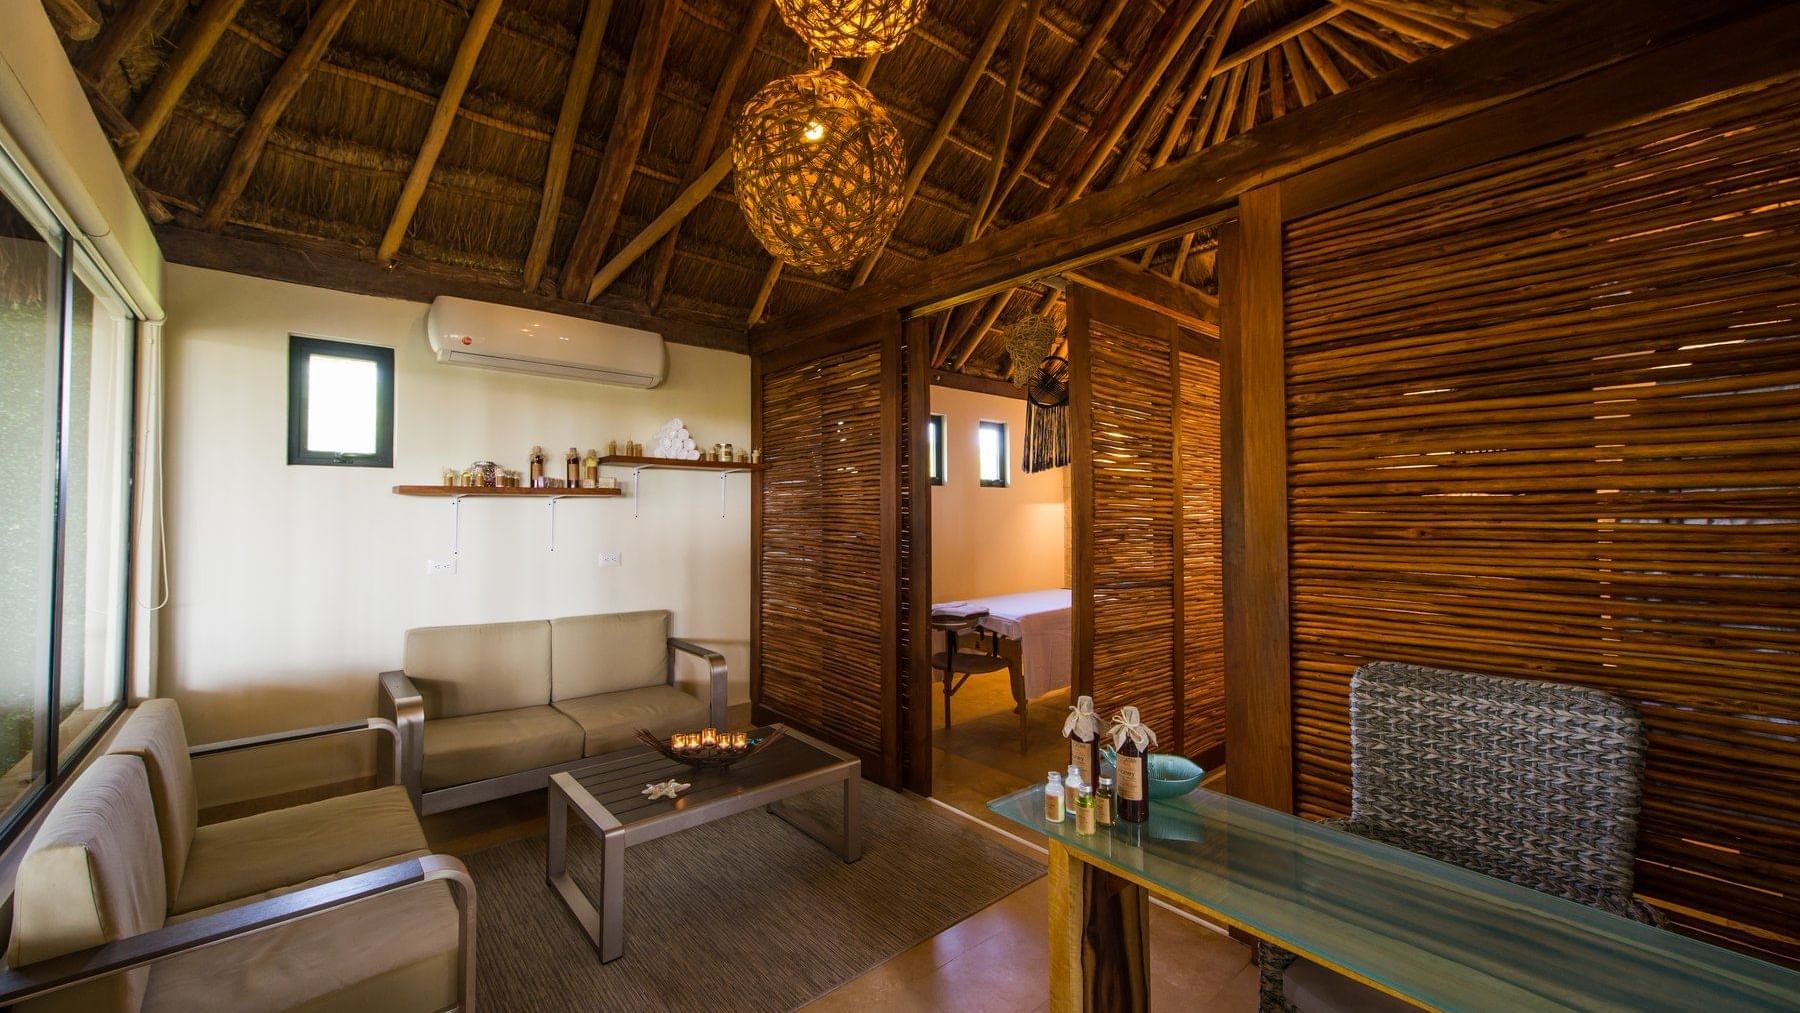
column 934, row 431
column 301, row 348
column 1005, row 479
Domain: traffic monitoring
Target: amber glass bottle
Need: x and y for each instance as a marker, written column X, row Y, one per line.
column 1132, row 740
column 1083, row 732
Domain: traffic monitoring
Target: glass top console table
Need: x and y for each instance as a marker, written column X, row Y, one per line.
column 1434, row 934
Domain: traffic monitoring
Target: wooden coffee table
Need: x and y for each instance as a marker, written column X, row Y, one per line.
column 608, row 796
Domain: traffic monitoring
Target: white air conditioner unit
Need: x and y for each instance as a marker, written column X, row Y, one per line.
column 526, row 341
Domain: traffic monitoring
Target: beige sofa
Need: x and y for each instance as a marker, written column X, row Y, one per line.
column 492, row 710
column 124, row 903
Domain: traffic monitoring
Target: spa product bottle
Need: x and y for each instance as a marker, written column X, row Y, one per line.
column 1103, row 802
column 1072, row 782
column 1082, row 729
column 1054, row 801
column 590, row 470
column 572, row 464
column 1086, row 818
column 1132, row 740
column 537, row 466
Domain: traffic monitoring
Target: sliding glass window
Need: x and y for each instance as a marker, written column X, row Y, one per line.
column 67, row 365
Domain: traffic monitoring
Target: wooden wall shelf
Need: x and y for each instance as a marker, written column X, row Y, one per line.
column 473, row 490
column 624, row 461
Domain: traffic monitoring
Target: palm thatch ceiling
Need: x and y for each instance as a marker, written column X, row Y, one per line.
column 521, row 144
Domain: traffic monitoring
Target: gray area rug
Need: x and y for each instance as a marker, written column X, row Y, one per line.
column 746, row 913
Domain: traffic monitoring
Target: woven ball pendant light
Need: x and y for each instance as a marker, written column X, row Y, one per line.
column 851, row 27
column 819, row 169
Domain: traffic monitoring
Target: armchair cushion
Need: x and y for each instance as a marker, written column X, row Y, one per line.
column 608, row 653
column 463, row 670
column 477, row 746
column 609, row 721
column 154, row 733
column 396, row 952
column 238, row 859
column 93, row 874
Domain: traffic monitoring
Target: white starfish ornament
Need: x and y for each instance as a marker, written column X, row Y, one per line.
column 666, row 789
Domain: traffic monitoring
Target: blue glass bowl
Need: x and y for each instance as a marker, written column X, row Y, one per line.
column 1172, row 776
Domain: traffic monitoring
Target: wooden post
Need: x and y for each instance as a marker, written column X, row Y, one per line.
column 1081, row 498
column 1099, row 939
column 1253, row 452
column 916, row 736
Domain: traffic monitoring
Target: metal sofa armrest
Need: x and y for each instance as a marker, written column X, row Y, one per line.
column 403, row 704
column 57, row 973
column 716, row 704
column 379, row 725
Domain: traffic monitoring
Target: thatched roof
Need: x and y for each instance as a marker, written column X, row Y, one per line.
column 337, row 157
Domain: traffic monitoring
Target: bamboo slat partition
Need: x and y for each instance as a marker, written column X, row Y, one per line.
column 820, row 645
column 1147, row 605
column 1542, row 420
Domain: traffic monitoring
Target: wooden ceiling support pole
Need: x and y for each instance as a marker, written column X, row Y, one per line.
column 723, row 104
column 1324, row 64
column 637, row 96
column 327, row 18
column 1020, row 55
column 1340, row 44
column 1292, row 30
column 562, row 142
column 75, row 19
column 443, row 117
column 921, row 164
column 1400, row 23
column 1371, row 33
column 1303, row 83
column 203, row 32
column 663, row 225
column 995, row 307
column 116, row 36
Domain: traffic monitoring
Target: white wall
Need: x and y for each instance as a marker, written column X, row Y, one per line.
column 292, row 586
column 991, row 540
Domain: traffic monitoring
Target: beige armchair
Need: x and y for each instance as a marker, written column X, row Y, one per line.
column 491, row 710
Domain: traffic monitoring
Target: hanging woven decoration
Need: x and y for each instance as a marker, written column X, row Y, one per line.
column 851, row 27
column 1047, row 415
column 1028, row 340
column 820, row 170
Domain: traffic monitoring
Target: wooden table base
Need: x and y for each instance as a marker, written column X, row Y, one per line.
column 1099, row 939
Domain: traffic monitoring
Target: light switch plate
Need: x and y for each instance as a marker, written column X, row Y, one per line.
column 610, row 559
column 440, row 567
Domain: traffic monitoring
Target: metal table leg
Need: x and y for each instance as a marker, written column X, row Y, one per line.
column 605, row 925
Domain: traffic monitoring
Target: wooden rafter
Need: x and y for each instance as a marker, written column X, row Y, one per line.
column 1019, row 57
column 1252, row 92
column 1277, row 84
column 326, row 20
column 663, row 225
column 1347, row 49
column 1371, row 33
column 1303, row 83
column 1292, row 30
column 462, row 68
column 1162, row 104
column 76, row 19
column 116, row 36
column 1215, row 49
column 1323, row 63
column 204, row 30
column 1409, row 27
column 1430, row 19
column 637, row 95
column 1072, row 75
column 1483, row 13
column 724, row 102
column 562, row 144
column 953, row 110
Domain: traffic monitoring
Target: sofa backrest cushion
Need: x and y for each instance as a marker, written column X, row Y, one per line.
column 608, row 653
column 477, row 669
column 154, row 734
column 92, row 875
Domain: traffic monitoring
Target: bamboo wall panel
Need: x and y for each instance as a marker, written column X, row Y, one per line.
column 1203, row 625
column 820, row 627
column 1133, row 525
column 1543, row 421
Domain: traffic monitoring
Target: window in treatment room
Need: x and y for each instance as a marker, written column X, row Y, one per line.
column 67, row 377
column 991, row 442
column 340, row 403
column 934, row 449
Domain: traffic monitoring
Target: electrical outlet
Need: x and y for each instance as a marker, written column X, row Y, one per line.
column 609, row 559
column 440, row 567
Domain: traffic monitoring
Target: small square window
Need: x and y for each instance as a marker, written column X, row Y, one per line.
column 991, row 441
column 340, row 403
column 934, row 449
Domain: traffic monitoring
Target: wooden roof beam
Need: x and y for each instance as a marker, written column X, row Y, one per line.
column 306, row 54
column 723, row 103
column 1020, row 55
column 1215, row 47
column 117, row 36
column 1400, row 23
column 953, row 110
column 1185, row 303
column 1162, row 104
column 1348, row 50
column 1303, row 84
column 637, row 96
column 462, row 68
column 76, row 19
column 1393, row 45
column 562, row 144
column 1292, row 30
column 1641, row 54
column 203, row 32
column 663, row 225
column 1324, row 64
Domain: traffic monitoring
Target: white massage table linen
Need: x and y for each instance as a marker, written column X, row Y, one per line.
column 1040, row 622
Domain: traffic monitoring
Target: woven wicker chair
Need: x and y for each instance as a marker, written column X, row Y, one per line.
column 1436, row 761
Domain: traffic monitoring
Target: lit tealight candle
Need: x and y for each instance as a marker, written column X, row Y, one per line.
column 740, row 739
column 709, row 737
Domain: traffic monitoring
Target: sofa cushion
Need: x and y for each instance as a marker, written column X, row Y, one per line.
column 92, row 875
column 154, row 734
column 479, row 746
column 609, row 721
column 608, row 653
column 475, row 669
column 239, row 858
column 395, row 952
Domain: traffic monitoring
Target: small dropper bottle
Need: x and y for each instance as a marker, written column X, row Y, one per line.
column 1054, row 800
column 1071, row 787
column 1086, row 814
